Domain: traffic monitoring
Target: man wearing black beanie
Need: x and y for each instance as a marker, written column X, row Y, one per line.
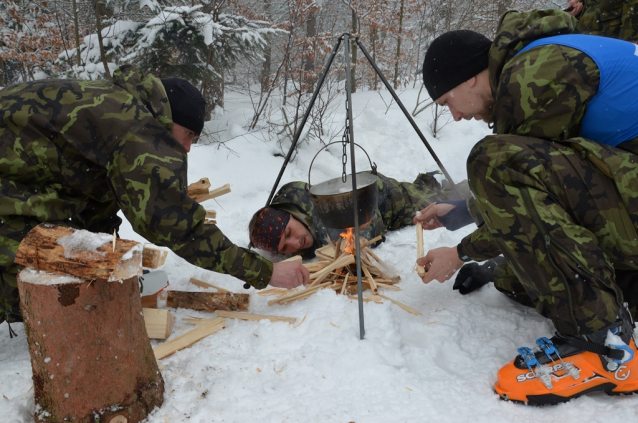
column 556, row 192
column 76, row 152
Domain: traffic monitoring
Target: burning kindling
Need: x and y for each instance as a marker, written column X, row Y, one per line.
column 336, row 269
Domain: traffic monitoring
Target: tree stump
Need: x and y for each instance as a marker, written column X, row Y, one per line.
column 90, row 353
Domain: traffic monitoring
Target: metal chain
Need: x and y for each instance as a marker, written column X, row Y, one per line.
column 345, row 140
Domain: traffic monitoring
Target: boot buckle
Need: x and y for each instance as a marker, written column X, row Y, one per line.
column 540, row 372
column 548, row 348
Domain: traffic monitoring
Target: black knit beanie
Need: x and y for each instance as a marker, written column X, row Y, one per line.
column 452, row 59
column 187, row 103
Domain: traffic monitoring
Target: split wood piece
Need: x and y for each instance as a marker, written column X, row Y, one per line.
column 203, row 284
column 211, row 214
column 189, row 338
column 327, row 250
column 373, row 285
column 200, row 187
column 341, row 262
column 316, row 265
column 200, row 198
column 403, row 306
column 243, row 316
column 420, row 270
column 356, row 298
column 153, row 257
column 345, row 283
column 208, row 301
column 210, row 222
column 89, row 347
column 297, row 295
column 372, row 241
column 294, row 259
column 40, row 250
column 149, row 301
column 338, row 249
column 323, row 256
column 159, row 323
column 387, row 286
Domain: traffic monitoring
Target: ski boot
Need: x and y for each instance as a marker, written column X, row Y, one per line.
column 566, row 367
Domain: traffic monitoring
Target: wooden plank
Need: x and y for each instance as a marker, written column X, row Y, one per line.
column 159, row 323
column 189, row 338
column 203, row 284
column 242, row 316
column 153, row 257
column 208, row 301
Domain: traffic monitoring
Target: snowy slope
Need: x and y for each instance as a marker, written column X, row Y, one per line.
column 439, row 367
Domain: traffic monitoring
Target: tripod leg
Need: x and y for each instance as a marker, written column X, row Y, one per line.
column 304, row 119
column 407, row 115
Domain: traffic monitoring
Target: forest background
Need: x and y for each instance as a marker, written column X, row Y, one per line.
column 273, row 51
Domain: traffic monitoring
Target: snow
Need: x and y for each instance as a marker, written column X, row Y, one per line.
column 439, row 367
column 81, row 242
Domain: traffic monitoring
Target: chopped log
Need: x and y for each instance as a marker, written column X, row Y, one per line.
column 90, row 354
column 189, row 338
column 211, row 214
column 420, row 270
column 149, row 301
column 40, row 250
column 203, row 284
column 200, row 187
column 208, row 301
column 159, row 323
column 153, row 257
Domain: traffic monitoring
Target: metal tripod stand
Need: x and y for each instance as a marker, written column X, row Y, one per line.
column 345, row 38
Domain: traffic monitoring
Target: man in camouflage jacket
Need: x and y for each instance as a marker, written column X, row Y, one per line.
column 76, row 152
column 398, row 203
column 560, row 208
column 608, row 18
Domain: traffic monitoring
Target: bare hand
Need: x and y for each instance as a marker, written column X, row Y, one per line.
column 441, row 264
column 289, row 275
column 577, row 7
column 429, row 215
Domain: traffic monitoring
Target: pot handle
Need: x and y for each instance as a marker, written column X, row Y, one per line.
column 373, row 166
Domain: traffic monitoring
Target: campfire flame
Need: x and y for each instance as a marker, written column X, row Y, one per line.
column 348, row 236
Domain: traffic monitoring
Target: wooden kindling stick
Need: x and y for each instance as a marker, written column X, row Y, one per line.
column 403, row 306
column 420, row 270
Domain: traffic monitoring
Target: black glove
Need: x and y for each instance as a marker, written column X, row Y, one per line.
column 472, row 276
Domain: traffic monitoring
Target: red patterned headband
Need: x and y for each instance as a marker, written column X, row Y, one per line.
column 270, row 225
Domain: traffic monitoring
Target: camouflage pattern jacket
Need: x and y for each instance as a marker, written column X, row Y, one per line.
column 398, row 204
column 609, row 18
column 75, row 152
column 543, row 93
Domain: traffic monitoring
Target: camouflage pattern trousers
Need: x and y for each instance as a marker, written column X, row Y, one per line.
column 562, row 226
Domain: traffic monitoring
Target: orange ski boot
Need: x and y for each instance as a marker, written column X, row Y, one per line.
column 567, row 367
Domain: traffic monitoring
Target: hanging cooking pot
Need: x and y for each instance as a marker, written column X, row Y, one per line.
column 333, row 199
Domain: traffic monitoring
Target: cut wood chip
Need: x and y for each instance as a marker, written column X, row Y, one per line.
column 189, row 338
column 203, row 284
column 159, row 323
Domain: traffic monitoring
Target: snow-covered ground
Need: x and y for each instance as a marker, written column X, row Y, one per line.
column 439, row 367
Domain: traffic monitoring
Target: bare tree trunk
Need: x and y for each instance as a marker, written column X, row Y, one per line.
column 77, row 32
column 266, row 67
column 373, row 36
column 98, row 25
column 353, row 48
column 396, row 64
column 309, row 59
